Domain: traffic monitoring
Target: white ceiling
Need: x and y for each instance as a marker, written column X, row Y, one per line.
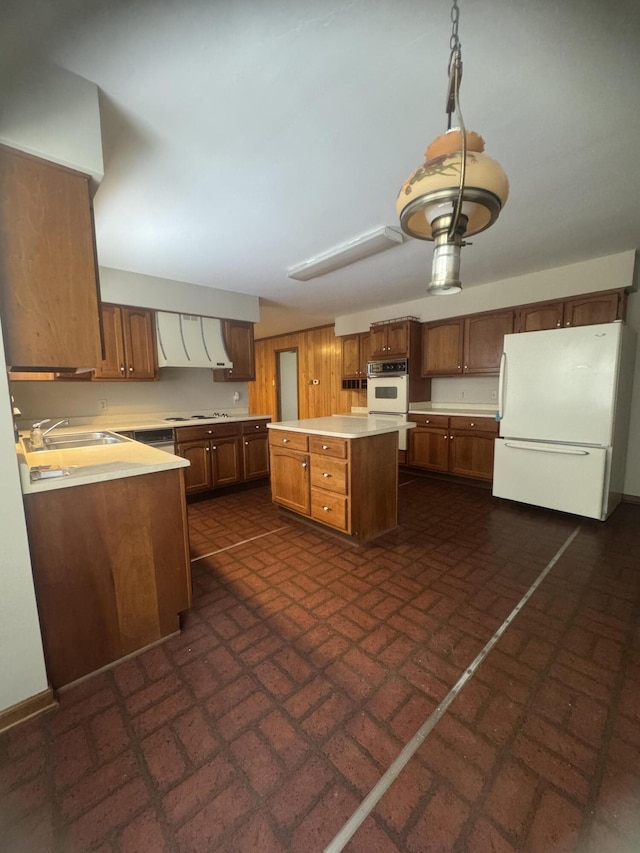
column 243, row 137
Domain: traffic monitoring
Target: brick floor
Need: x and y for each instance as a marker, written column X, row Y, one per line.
column 307, row 663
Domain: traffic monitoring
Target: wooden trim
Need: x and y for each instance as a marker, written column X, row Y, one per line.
column 26, row 709
column 297, row 331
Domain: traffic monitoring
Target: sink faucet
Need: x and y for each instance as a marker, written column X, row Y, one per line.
column 37, row 434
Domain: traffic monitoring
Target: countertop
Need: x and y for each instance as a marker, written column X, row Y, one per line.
column 86, row 465
column 454, row 410
column 122, row 423
column 343, row 426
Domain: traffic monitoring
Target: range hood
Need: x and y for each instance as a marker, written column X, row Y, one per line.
column 186, row 340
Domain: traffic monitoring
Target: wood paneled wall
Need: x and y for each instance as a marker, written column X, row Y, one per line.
column 319, row 357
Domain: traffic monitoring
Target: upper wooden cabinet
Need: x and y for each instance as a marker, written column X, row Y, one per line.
column 356, row 351
column 130, row 344
column 582, row 310
column 48, row 272
column 239, row 343
column 469, row 345
column 400, row 339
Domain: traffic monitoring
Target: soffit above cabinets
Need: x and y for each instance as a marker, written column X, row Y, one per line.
column 187, row 340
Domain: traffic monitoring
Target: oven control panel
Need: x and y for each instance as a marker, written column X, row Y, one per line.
column 399, row 367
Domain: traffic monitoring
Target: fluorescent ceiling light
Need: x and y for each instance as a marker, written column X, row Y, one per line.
column 348, row 253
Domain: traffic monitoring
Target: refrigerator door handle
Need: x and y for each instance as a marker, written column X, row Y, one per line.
column 503, row 364
column 562, row 452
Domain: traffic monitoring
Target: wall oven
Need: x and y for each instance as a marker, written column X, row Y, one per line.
column 388, row 392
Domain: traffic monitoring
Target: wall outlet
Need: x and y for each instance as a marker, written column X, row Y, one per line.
column 103, row 405
column 494, row 395
column 462, row 395
column 236, row 396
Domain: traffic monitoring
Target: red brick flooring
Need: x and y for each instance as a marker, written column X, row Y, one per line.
column 306, row 664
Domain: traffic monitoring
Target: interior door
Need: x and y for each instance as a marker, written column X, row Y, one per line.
column 287, row 384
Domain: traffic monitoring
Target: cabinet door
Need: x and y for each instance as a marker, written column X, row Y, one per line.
column 429, row 448
column 49, row 283
column 471, row 454
column 198, row 475
column 593, row 308
column 113, row 365
column 378, row 338
column 225, row 461
column 255, row 453
column 484, row 341
column 239, row 343
column 138, row 331
column 535, row 318
column 290, row 479
column 442, row 348
column 351, row 357
column 398, row 339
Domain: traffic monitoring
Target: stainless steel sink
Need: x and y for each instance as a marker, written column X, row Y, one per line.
column 68, row 441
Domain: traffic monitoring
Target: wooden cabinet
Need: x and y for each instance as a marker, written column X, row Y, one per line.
column 255, row 450
column 48, row 276
column 223, row 454
column 398, row 339
column 465, row 345
column 356, row 352
column 214, row 453
column 585, row 310
column 453, row 444
column 239, row 343
column 130, row 344
column 349, row 485
column 111, row 569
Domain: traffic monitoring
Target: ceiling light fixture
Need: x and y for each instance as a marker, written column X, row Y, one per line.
column 348, row 253
column 458, row 191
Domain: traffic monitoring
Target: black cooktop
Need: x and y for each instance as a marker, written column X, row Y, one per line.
column 200, row 417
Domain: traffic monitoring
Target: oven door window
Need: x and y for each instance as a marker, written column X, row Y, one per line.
column 386, row 392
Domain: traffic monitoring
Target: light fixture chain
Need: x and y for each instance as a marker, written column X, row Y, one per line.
column 454, row 41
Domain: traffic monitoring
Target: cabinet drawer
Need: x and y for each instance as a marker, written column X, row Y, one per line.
column 326, row 446
column 478, row 424
column 206, row 431
column 429, row 420
column 330, row 509
column 254, row 427
column 329, row 474
column 292, row 440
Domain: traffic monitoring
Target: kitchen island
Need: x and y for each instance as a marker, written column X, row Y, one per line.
column 109, row 551
column 340, row 472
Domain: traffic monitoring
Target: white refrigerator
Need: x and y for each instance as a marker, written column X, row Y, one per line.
column 563, row 406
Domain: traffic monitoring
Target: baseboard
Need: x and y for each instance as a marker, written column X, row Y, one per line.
column 26, row 709
column 631, row 499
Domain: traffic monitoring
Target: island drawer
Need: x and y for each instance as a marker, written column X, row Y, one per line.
column 330, row 509
column 255, row 427
column 292, row 440
column 429, row 420
column 326, row 446
column 478, row 424
column 329, row 474
column 206, row 431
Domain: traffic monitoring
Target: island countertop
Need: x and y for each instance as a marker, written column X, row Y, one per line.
column 343, row 426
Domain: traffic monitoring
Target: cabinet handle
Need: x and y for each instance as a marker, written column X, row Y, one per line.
column 257, row 426
column 445, row 437
column 458, row 367
column 209, row 431
column 246, row 444
column 558, row 324
column 472, row 423
column 122, row 369
column 568, row 323
column 451, row 438
column 326, row 475
column 304, row 464
column 207, row 448
column 214, row 447
column 130, row 369
column 326, row 508
column 285, row 441
column 427, row 421
column 466, row 366
column 325, row 446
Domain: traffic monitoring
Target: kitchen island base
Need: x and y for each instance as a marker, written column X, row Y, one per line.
column 349, row 485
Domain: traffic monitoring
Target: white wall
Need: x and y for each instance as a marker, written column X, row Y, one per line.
column 179, row 390
column 163, row 294
column 22, row 666
column 609, row 273
column 52, row 113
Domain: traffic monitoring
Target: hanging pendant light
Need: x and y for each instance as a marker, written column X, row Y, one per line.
column 457, row 192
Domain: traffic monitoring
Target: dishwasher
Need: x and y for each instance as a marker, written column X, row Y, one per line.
column 162, row 438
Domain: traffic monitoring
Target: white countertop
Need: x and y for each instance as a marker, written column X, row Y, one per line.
column 343, row 426
column 93, row 464
column 454, row 409
column 120, row 423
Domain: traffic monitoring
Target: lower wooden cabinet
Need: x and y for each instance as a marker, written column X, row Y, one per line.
column 453, row 444
column 111, row 569
column 223, row 454
column 350, row 485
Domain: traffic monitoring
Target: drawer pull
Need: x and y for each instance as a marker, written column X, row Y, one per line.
column 257, row 426
column 325, row 446
column 209, row 431
column 427, row 421
column 304, row 464
column 326, row 509
column 325, row 474
column 285, row 441
column 122, row 369
column 472, row 423
column 246, row 444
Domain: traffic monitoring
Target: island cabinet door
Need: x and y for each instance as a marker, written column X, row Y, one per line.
column 225, row 461
column 290, row 479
